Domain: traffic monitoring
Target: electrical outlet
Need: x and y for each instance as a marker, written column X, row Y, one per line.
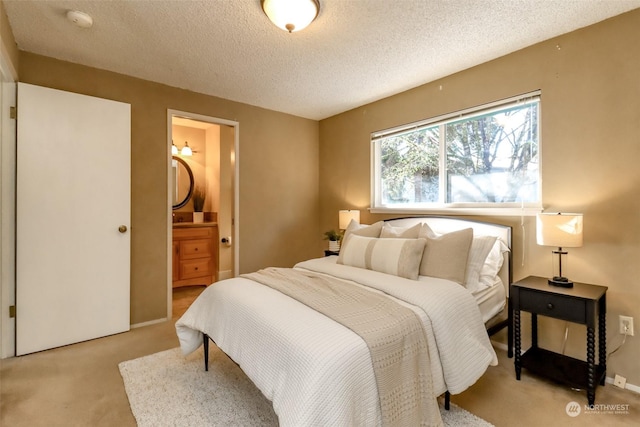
column 626, row 323
column 619, row 381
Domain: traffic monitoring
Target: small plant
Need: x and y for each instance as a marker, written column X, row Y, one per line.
column 333, row 236
column 198, row 197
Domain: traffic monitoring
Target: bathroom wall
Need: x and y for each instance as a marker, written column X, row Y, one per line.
column 204, row 162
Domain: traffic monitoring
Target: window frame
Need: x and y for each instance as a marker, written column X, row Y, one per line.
column 467, row 208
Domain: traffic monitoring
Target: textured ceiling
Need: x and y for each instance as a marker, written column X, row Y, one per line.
column 357, row 51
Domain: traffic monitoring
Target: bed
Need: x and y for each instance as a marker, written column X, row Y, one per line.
column 317, row 371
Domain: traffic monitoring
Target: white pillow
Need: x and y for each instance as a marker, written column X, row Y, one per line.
column 480, row 248
column 445, row 256
column 355, row 228
column 372, row 230
column 492, row 264
column 400, row 257
column 400, row 232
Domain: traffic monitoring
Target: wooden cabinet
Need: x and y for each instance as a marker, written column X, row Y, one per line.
column 195, row 255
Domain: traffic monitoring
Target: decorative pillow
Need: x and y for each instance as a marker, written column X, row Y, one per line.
column 355, row 228
column 445, row 256
column 480, row 248
column 400, row 257
column 372, row 230
column 400, row 232
column 492, row 264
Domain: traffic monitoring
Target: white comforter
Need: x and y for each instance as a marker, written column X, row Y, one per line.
column 314, row 370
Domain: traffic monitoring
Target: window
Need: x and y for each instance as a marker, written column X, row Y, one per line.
column 484, row 157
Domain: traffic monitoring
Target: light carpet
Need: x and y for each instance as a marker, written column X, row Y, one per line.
column 168, row 389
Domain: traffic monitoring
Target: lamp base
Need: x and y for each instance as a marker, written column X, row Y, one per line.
column 562, row 282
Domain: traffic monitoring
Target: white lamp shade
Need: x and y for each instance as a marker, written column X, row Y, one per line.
column 563, row 230
column 345, row 217
column 291, row 15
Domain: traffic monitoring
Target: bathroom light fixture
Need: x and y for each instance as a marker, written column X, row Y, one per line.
column 291, row 15
column 186, row 150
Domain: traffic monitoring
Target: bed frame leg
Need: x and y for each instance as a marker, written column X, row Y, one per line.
column 205, row 342
column 447, row 400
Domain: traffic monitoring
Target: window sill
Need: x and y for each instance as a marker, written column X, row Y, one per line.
column 526, row 211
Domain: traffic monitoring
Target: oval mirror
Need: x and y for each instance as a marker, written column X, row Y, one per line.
column 182, row 188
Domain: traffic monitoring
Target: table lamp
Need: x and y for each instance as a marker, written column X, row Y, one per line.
column 345, row 217
column 563, row 230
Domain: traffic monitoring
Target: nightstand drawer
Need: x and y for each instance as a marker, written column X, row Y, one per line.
column 553, row 305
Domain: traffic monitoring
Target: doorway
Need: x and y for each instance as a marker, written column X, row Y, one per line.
column 8, row 88
column 213, row 163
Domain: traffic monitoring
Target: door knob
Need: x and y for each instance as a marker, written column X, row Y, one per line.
column 122, row 229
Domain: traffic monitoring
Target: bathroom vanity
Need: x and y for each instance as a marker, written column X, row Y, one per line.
column 195, row 254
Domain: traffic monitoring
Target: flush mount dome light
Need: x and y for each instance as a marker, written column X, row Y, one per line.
column 291, row 15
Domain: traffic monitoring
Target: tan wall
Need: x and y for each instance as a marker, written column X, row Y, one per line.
column 7, row 41
column 278, row 196
column 590, row 82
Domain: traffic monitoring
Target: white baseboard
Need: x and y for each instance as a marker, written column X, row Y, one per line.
column 226, row 274
column 632, row 387
column 149, row 323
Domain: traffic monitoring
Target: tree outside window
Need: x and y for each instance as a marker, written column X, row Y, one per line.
column 488, row 158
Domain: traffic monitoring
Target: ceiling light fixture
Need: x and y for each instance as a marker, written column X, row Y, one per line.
column 291, row 15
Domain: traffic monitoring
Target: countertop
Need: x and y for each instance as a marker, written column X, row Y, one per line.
column 194, row 224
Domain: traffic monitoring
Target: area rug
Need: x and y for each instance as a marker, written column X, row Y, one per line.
column 168, row 389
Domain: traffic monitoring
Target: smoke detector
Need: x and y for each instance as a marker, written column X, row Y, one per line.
column 81, row 19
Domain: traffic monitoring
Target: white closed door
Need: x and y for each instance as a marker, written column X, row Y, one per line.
column 73, row 191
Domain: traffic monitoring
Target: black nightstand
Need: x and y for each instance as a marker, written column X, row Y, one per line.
column 329, row 253
column 584, row 304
